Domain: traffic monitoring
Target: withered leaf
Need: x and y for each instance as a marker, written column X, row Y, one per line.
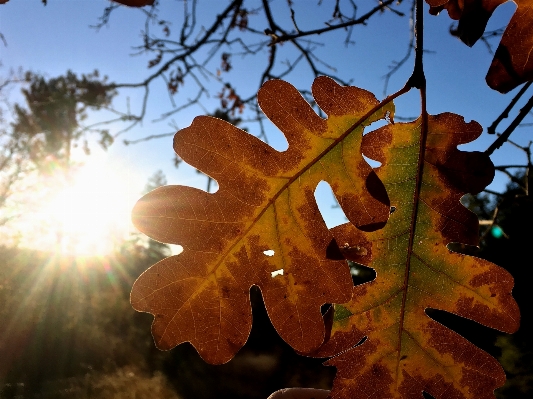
column 512, row 64
column 404, row 351
column 262, row 227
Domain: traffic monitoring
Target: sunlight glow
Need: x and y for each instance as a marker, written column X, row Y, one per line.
column 91, row 214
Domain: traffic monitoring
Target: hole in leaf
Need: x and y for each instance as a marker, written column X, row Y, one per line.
column 466, row 200
column 328, row 206
column 175, row 249
column 324, row 308
column 269, row 252
column 375, row 125
column 355, row 250
column 392, row 209
column 370, row 128
column 372, row 163
column 361, row 274
column 333, row 252
column 427, row 395
column 277, row 273
column 464, row 249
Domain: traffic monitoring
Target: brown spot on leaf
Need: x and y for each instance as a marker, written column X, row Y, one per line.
column 225, row 292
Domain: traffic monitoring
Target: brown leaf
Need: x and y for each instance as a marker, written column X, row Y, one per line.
column 512, row 64
column 262, row 227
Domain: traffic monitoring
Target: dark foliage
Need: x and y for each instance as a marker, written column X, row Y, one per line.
column 55, row 109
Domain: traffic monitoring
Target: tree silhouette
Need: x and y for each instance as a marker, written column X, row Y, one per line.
column 54, row 111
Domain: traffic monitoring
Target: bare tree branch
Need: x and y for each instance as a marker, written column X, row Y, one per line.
column 175, row 57
column 359, row 21
column 505, row 114
column 148, row 138
column 396, row 65
column 510, row 129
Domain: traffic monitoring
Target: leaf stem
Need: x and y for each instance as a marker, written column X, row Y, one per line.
column 418, row 79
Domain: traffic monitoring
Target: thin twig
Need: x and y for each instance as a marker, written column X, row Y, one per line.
column 511, row 177
column 286, row 37
column 490, row 224
column 510, row 129
column 153, row 136
column 505, row 114
column 492, row 192
column 398, row 64
column 503, row 167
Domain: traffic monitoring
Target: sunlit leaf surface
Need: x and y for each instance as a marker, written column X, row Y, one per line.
column 405, row 352
column 262, row 227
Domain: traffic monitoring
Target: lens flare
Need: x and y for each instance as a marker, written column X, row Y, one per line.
column 89, row 214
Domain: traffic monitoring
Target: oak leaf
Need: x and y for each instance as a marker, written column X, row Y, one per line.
column 512, row 64
column 383, row 343
column 265, row 205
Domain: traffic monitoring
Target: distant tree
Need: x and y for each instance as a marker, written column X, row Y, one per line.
column 158, row 179
column 54, row 110
column 13, row 165
column 15, row 150
column 40, row 134
column 68, row 329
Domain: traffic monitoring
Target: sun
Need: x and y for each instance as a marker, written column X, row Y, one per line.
column 90, row 214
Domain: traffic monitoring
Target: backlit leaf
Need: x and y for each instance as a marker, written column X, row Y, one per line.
column 404, row 351
column 512, row 64
column 262, row 227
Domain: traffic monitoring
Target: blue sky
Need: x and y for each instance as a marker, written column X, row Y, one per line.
column 52, row 39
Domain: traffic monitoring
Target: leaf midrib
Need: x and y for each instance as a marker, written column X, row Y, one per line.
column 414, row 218
column 272, row 200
